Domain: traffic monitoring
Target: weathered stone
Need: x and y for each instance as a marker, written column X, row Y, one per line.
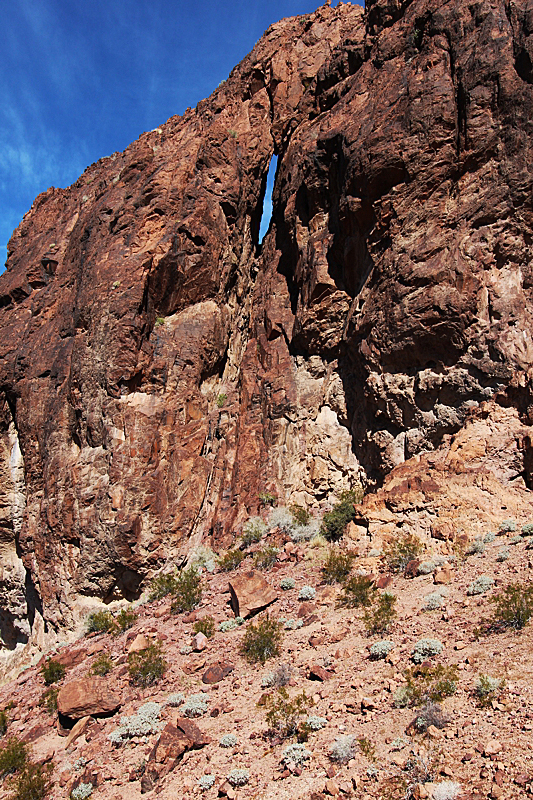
column 193, row 732
column 411, row 570
column 250, row 593
column 86, row 697
column 78, row 730
column 443, row 576
column 315, row 672
column 217, row 672
column 199, row 642
column 140, row 643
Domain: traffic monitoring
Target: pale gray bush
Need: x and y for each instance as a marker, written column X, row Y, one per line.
column 286, row 584
column 238, row 777
column 481, row 585
column 195, row 705
column 296, row 754
column 307, row 593
column 315, row 723
column 343, row 749
column 426, row 648
column 229, row 740
column 381, row 649
column 205, row 782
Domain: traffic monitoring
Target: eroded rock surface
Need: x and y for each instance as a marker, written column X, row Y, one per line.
column 159, row 368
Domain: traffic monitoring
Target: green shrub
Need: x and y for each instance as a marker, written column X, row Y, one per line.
column 284, row 715
column 262, row 641
column 4, row 721
column 424, row 684
column 300, row 515
column 102, row 665
column 13, row 756
column 33, row 783
column 334, row 522
column 100, row 622
column 161, row 586
column 400, row 552
column 380, row 616
column 266, row 558
column 253, row 531
column 230, row 560
column 147, row 666
column 358, row 592
column 337, row 566
column 125, row 619
column 488, row 689
column 52, row 671
column 267, row 499
column 221, row 399
column 514, row 606
column 187, row 591
column 367, row 748
column 48, row 699
column 206, row 625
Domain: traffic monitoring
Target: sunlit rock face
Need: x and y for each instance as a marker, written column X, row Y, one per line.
column 160, row 367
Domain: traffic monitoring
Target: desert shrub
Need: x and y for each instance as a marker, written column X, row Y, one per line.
column 427, row 567
column 161, row 586
column 100, row 622
column 52, row 671
column 430, row 714
column 343, row 749
column 314, row 723
column 446, row 790
column 357, row 592
column 33, row 783
column 514, row 607
column 228, row 740
column 187, row 591
column 281, row 518
column 144, row 722
column 481, row 585
column 433, row 601
column 293, row 624
column 102, row 665
column 230, row 560
column 286, row 584
column 221, row 399
column 278, row 677
column 337, row 566
column 283, row 714
column 380, row 650
column 475, row 548
column 175, row 699
column 206, row 625
column 4, row 720
column 147, row 666
column 195, row 705
column 487, row 689
column 399, row 552
column 296, row 754
column 300, row 515
column 367, row 748
column 308, row 533
column 48, row 699
column 266, row 558
column 380, row 616
column 238, row 777
column 503, row 555
column 203, row 558
column 427, row 684
column 334, row 522
column 253, row 531
column 13, row 756
column 307, row 593
column 125, row 619
column 82, row 791
column 515, row 540
column 507, row 526
column 267, row 499
column 205, row 782
column 426, row 648
column 262, row 641
column 527, row 529
column 489, row 537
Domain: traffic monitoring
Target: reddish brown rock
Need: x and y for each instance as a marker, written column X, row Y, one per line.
column 250, row 593
column 386, row 314
column 217, row 672
column 191, row 730
column 86, row 697
column 411, row 569
column 315, row 672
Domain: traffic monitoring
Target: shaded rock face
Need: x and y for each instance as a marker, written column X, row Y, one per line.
column 159, row 368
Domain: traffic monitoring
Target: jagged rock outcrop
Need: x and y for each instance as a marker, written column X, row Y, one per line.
column 159, row 367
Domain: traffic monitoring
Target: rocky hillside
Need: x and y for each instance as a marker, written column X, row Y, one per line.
column 161, row 368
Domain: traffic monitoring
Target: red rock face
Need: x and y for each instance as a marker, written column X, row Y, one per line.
column 159, row 369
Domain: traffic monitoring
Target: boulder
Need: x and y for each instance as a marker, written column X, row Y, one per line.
column 217, row 672
column 199, row 642
column 250, row 593
column 86, row 697
column 444, row 575
column 140, row 643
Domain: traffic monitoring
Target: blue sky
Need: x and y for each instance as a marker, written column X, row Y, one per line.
column 81, row 80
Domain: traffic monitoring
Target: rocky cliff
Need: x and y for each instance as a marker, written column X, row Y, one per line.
column 160, row 366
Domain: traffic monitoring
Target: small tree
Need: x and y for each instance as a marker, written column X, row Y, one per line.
column 262, row 641
column 187, row 591
column 147, row 666
column 284, row 715
column 380, row 616
column 334, row 522
column 52, row 671
column 514, row 606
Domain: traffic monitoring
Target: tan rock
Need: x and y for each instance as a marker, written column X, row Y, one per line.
column 140, row 643
column 250, row 593
column 444, row 575
column 332, row 787
column 492, row 748
column 199, row 642
column 87, row 696
column 79, row 728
